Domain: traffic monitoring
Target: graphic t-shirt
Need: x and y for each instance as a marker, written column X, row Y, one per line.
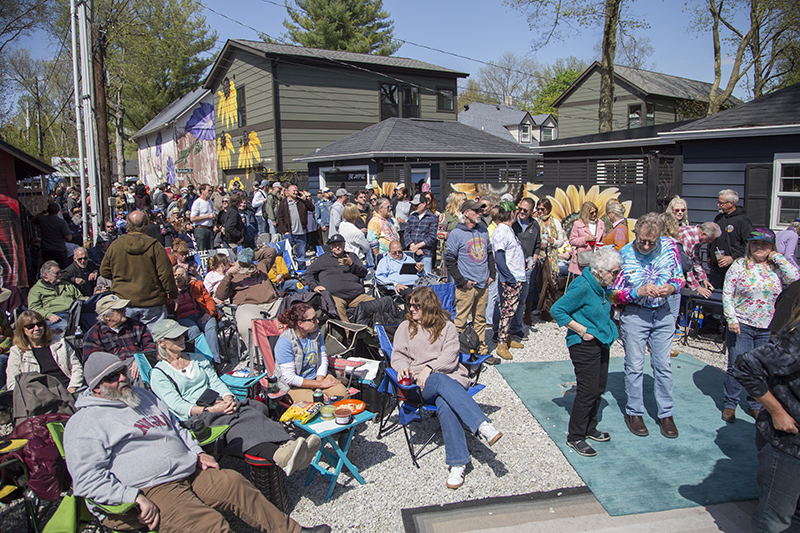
column 505, row 239
column 308, row 368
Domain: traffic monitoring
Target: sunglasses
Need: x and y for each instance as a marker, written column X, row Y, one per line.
column 616, row 272
column 647, row 243
column 32, row 325
column 541, row 209
column 523, row 210
column 80, row 259
column 679, row 210
column 413, row 307
column 315, row 319
column 114, row 376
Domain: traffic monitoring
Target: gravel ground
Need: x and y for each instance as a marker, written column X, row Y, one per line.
column 524, row 460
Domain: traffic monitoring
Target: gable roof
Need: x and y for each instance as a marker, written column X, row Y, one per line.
column 649, row 82
column 492, row 118
column 414, row 137
column 780, row 108
column 172, row 112
column 26, row 163
column 317, row 55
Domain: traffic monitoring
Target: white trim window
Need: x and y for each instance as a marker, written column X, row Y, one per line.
column 525, row 133
column 786, row 187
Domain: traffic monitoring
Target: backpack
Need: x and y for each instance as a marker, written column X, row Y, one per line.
column 469, row 341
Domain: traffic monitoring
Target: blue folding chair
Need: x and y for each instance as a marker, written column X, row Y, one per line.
column 447, row 295
column 409, row 403
column 238, row 385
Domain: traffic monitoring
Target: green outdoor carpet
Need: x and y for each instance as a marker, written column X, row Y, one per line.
column 710, row 462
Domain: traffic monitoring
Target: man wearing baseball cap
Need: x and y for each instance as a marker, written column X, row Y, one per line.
column 420, row 235
column 470, row 261
column 123, row 445
column 257, row 202
column 337, row 209
column 117, row 334
column 322, row 212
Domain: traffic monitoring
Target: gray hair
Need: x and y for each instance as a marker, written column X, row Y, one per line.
column 161, row 353
column 796, row 225
column 616, row 208
column 730, row 195
column 649, row 223
column 711, row 229
column 605, row 259
column 45, row 268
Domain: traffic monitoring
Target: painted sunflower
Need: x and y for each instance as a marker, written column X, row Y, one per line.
column 248, row 153
column 224, row 150
column 227, row 107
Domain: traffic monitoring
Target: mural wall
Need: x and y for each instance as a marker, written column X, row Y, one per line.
column 183, row 152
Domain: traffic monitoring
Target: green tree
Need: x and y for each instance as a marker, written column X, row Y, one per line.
column 473, row 92
column 557, row 20
column 552, row 81
column 510, row 79
column 361, row 26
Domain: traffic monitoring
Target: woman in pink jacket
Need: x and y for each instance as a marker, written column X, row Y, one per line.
column 586, row 231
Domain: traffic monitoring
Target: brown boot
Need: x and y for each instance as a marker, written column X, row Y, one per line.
column 527, row 317
column 514, row 344
column 502, row 351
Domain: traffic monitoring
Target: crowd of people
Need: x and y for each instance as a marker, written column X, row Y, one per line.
column 507, row 260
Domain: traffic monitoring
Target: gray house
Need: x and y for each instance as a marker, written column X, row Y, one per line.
column 274, row 103
column 448, row 155
column 641, row 98
column 510, row 123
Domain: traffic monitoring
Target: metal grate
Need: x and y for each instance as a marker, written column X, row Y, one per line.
column 621, row 171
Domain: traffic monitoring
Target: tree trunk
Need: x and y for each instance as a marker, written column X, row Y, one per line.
column 755, row 48
column 101, row 112
column 605, row 113
column 119, row 115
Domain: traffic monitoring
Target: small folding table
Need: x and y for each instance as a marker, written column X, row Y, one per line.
column 325, row 430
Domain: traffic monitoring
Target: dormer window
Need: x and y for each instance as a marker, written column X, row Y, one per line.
column 525, row 134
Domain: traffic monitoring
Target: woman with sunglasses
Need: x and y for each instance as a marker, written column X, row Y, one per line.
column 36, row 349
column 586, row 232
column 586, row 312
column 426, row 350
column 194, row 393
column 300, row 353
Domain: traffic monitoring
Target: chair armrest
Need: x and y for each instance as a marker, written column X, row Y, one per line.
column 121, row 508
column 479, row 359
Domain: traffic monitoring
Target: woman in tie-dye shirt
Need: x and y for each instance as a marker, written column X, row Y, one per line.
column 752, row 285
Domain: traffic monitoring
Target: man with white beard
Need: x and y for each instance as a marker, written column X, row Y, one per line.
column 123, row 445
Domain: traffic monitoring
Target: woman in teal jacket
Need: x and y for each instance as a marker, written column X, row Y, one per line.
column 586, row 312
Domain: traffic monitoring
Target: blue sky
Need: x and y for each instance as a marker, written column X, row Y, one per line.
column 484, row 30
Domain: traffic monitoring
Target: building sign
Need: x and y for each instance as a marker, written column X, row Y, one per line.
column 347, row 175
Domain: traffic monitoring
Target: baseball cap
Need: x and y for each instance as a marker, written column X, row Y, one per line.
column 166, row 328
column 325, row 189
column 341, row 192
column 471, row 205
column 417, row 199
column 762, row 234
column 336, row 238
column 112, row 301
column 426, row 187
column 99, row 365
column 265, row 183
column 246, row 256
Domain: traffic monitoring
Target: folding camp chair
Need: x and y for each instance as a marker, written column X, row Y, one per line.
column 447, row 295
column 14, row 478
column 409, row 402
column 284, row 248
column 264, row 334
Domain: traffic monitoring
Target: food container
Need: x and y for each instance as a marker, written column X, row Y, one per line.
column 343, row 416
column 327, row 412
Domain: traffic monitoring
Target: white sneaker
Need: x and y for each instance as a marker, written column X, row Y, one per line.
column 488, row 432
column 456, row 477
column 290, row 455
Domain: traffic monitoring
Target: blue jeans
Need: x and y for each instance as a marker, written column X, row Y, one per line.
column 517, row 327
column 148, row 315
column 209, row 329
column 491, row 305
column 299, row 253
column 454, row 406
column 778, row 481
column 427, row 262
column 749, row 339
column 642, row 327
column 260, row 222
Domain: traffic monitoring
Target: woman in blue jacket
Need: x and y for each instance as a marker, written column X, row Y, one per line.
column 586, row 312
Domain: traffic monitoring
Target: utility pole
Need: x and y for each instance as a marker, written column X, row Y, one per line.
column 101, row 117
column 73, row 19
column 39, row 136
column 89, row 116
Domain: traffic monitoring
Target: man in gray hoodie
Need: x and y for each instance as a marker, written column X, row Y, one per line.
column 470, row 261
column 123, row 445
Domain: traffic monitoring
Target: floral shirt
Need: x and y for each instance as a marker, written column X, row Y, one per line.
column 750, row 290
column 659, row 267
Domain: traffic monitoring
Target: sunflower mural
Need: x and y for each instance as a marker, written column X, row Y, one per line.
column 479, row 190
column 224, row 150
column 227, row 106
column 385, row 189
column 567, row 203
column 248, row 153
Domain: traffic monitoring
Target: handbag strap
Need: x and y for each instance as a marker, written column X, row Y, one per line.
column 177, row 389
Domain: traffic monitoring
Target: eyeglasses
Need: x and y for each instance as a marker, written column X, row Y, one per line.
column 395, row 252
column 523, row 210
column 114, row 376
column 413, row 307
column 593, row 212
column 314, row 319
column 81, row 259
column 32, row 325
column 541, row 209
column 616, row 272
column 679, row 210
column 644, row 242
column 723, row 203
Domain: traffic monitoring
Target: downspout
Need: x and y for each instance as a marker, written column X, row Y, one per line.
column 276, row 117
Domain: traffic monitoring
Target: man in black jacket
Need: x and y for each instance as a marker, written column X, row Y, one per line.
column 530, row 236
column 292, row 220
column 82, row 272
column 340, row 274
column 732, row 243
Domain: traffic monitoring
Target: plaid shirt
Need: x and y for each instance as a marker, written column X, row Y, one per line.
column 133, row 336
column 422, row 229
column 690, row 238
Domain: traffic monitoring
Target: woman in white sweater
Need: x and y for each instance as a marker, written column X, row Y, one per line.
column 37, row 350
column 355, row 239
column 426, row 349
